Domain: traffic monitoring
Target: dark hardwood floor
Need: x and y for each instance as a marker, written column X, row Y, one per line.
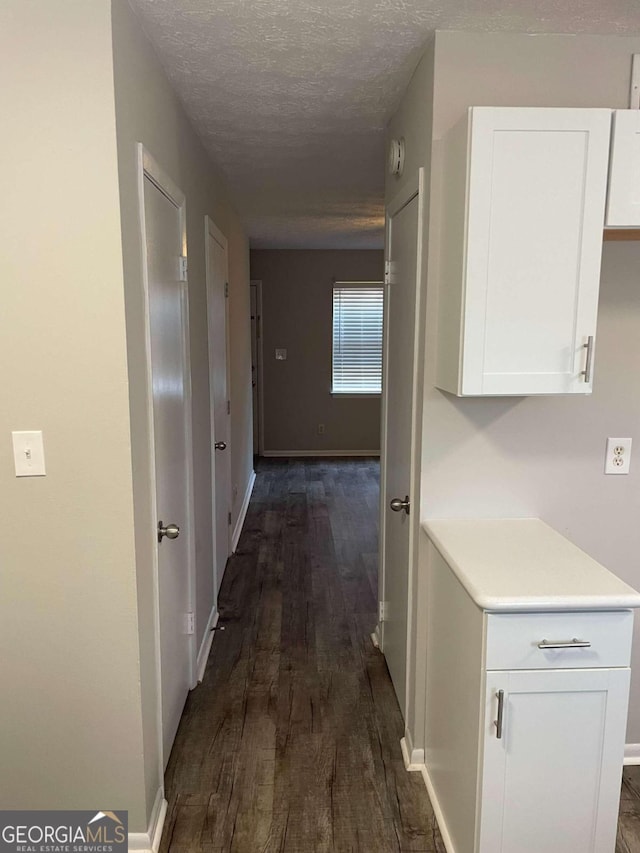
column 292, row 742
column 629, row 820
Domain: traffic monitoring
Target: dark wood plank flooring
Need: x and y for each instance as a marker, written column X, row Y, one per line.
column 629, row 821
column 291, row 743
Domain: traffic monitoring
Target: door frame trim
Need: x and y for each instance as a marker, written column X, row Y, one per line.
column 211, row 231
column 148, row 167
column 414, row 188
column 260, row 353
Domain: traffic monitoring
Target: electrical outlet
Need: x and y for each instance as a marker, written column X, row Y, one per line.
column 618, row 456
column 320, row 429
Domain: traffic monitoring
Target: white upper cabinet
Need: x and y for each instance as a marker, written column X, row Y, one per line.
column 623, row 202
column 522, row 219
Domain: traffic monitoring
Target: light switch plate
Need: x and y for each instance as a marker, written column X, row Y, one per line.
column 28, row 453
column 281, row 355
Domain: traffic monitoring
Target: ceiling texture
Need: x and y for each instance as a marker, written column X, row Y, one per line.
column 291, row 97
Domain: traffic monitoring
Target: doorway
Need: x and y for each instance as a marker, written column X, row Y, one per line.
column 399, row 492
column 220, row 405
column 163, row 225
column 256, row 365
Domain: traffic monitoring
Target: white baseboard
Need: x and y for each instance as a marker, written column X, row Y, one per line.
column 149, row 841
column 413, row 758
column 632, row 753
column 321, row 452
column 444, row 831
column 237, row 530
column 205, row 645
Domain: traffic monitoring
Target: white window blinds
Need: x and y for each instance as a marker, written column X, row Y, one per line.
column 357, row 338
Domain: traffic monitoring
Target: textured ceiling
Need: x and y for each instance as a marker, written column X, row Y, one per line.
column 291, row 96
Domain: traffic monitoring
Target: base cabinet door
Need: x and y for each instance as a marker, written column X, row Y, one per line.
column 551, row 776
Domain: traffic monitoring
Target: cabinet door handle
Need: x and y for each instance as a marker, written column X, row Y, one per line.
column 587, row 365
column 498, row 723
column 567, row 644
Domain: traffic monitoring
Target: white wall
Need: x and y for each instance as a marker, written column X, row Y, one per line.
column 538, row 456
column 71, row 732
column 148, row 111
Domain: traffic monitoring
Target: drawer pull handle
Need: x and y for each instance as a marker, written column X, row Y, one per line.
column 498, row 723
column 568, row 644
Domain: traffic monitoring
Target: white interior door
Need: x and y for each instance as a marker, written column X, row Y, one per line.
column 399, row 380
column 168, row 339
column 217, row 298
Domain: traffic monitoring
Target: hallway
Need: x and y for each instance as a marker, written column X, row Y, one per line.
column 292, row 742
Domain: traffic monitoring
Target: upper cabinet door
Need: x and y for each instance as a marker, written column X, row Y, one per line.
column 623, row 203
column 523, row 214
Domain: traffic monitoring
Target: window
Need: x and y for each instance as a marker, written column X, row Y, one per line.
column 357, row 338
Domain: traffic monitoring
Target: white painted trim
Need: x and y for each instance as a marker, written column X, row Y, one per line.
column 147, row 166
column 211, row 231
column 442, row 826
column 237, row 530
column 156, row 173
column 631, row 753
column 149, row 841
column 260, row 350
column 413, row 758
column 205, row 645
column 321, row 453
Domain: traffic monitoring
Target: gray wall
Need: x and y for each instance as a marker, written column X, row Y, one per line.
column 148, row 111
column 78, row 665
column 297, row 315
column 538, row 456
column 71, row 731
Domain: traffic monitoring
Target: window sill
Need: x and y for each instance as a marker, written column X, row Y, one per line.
column 351, row 395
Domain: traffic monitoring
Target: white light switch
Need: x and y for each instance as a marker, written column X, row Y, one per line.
column 28, row 453
column 281, row 354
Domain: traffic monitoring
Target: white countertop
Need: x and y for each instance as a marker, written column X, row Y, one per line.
column 522, row 564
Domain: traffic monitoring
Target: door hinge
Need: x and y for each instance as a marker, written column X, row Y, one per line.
column 387, row 272
column 183, row 268
column 189, row 623
column 382, row 611
column 226, row 288
column 228, row 407
column 229, row 519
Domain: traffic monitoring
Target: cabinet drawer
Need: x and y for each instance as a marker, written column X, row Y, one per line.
column 513, row 638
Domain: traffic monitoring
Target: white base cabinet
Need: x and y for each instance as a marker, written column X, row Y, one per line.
column 526, row 711
column 551, row 780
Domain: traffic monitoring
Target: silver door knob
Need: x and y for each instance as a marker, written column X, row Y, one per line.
column 397, row 505
column 220, row 445
column 171, row 531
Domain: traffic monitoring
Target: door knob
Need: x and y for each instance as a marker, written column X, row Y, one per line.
column 397, row 505
column 171, row 531
column 220, row 445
